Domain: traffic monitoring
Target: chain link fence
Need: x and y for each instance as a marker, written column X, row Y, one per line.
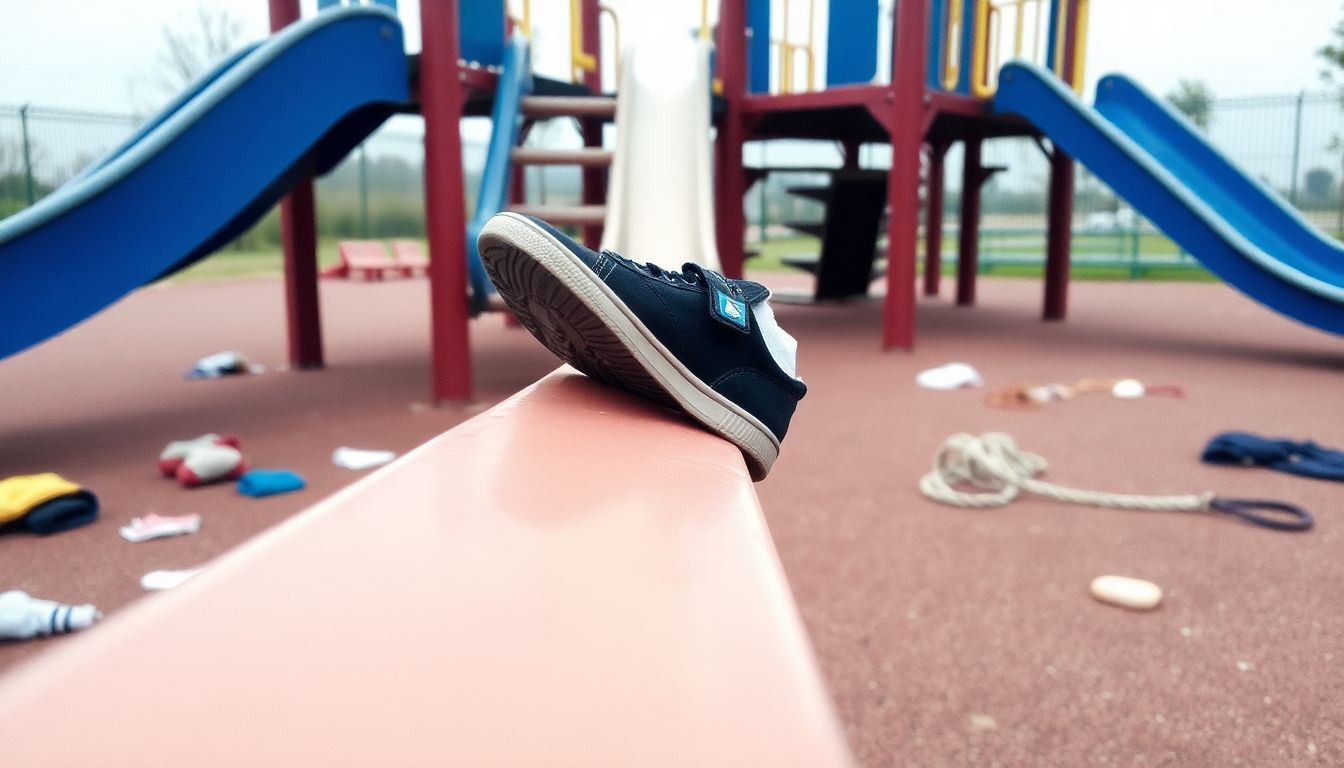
column 40, row 149
column 1292, row 143
column 376, row 192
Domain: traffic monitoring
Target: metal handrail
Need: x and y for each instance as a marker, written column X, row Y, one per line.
column 979, row 51
column 716, row 84
column 787, row 50
column 615, row 33
column 994, row 31
column 986, row 53
column 1074, row 77
column 523, row 23
column 1061, row 32
column 579, row 61
column 1079, row 45
column 952, row 45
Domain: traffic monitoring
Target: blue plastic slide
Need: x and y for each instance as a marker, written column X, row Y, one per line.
column 1155, row 159
column 202, row 171
column 506, row 117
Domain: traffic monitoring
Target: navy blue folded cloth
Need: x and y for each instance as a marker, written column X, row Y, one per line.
column 63, row 513
column 268, row 482
column 1296, row 458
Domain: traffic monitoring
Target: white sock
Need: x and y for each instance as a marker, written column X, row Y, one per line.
column 782, row 346
column 154, row 526
column 358, row 458
column 23, row 617
column 950, row 376
column 155, row 581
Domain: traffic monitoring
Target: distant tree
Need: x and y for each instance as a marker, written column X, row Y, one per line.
column 1319, row 184
column 1194, row 98
column 1332, row 54
column 191, row 46
column 192, row 43
column 11, row 156
column 14, row 172
column 79, row 162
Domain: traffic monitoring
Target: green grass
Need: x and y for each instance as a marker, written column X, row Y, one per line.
column 231, row 263
column 1015, row 246
column 1160, row 273
column 771, row 251
column 1031, row 244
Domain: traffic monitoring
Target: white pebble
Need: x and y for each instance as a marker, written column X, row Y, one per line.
column 1127, row 592
column 1128, row 389
column 982, row 722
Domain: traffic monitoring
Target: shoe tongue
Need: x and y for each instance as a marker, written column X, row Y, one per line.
column 729, row 300
column 753, row 292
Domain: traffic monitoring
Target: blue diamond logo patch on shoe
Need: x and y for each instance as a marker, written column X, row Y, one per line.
column 731, row 309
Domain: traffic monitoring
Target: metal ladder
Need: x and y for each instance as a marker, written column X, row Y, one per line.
column 545, row 107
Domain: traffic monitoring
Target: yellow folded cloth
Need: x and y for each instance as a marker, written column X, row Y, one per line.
column 21, row 493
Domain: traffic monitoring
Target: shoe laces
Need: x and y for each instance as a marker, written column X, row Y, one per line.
column 689, row 276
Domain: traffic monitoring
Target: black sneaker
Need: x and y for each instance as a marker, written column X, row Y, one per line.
column 684, row 339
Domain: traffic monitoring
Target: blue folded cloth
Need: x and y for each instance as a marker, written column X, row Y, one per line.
column 268, row 482
column 1296, row 458
column 63, row 513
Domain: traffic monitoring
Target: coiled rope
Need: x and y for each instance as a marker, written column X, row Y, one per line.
column 994, row 463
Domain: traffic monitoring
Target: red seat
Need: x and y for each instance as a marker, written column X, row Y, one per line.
column 367, row 258
column 410, row 257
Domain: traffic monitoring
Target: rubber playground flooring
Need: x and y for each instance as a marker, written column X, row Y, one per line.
column 947, row 636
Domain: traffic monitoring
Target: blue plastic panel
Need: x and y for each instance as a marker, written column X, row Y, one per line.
column 1050, row 34
column 202, row 173
column 1259, row 214
column 967, row 40
column 851, row 42
column 1157, row 161
column 758, row 46
column 939, row 11
column 481, row 31
column 933, row 76
column 506, row 117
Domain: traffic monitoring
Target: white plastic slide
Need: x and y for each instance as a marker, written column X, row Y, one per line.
column 659, row 202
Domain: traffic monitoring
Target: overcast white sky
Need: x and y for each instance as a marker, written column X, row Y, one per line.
column 87, row 54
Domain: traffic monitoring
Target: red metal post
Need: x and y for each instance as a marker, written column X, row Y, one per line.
column 968, row 242
column 298, row 240
column 729, row 217
column 909, row 33
column 1058, row 236
column 1059, row 227
column 445, row 209
column 933, row 220
column 594, row 178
